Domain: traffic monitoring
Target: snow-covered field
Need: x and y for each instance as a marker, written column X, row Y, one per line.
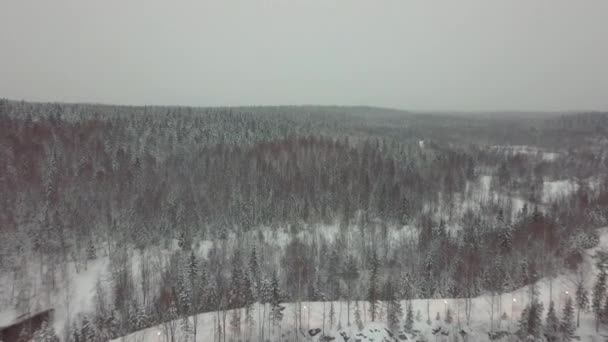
column 312, row 315
column 75, row 296
column 527, row 150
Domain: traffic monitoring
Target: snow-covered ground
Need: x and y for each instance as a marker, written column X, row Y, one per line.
column 527, row 150
column 312, row 314
column 553, row 190
column 81, row 286
column 73, row 293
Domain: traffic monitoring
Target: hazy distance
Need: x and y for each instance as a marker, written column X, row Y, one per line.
column 418, row 55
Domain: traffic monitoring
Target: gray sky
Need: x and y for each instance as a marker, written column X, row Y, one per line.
column 411, row 54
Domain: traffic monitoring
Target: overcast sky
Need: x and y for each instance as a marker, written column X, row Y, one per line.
column 410, row 54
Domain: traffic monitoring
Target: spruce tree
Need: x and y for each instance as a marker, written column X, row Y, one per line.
column 184, row 293
column 91, row 252
column 409, row 317
column 582, row 301
column 254, row 270
column 349, row 274
column 393, row 307
column 358, row 320
column 248, row 299
column 276, row 309
column 530, row 323
column 192, row 269
column 535, row 319
column 448, row 316
column 552, row 325
column 567, row 325
column 140, row 319
column 372, row 292
column 599, row 292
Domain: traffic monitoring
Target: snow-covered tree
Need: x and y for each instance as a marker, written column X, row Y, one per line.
column 254, row 270
column 599, row 292
column 448, row 316
column 393, row 305
column 552, row 325
column 276, row 309
column 567, row 325
column 582, row 301
column 91, row 251
column 530, row 323
column 409, row 317
column 350, row 274
column 358, row 320
column 372, row 289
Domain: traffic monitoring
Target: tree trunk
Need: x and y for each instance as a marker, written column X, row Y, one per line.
column 428, row 310
column 348, row 311
column 323, row 318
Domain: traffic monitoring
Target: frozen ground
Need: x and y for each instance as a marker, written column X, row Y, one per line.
column 80, row 289
column 312, row 317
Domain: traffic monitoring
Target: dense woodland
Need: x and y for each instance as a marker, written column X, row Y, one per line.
column 212, row 209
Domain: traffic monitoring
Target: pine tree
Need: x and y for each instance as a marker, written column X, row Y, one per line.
column 254, row 269
column 201, row 290
column 91, row 252
column 349, row 274
column 582, row 301
column 406, row 288
column 276, row 309
column 212, row 297
column 552, row 325
column 236, row 285
column 184, row 293
column 506, row 238
column 409, row 317
column 358, row 320
column 599, row 292
column 140, row 321
column 235, row 295
column 372, row 292
column 393, row 306
column 448, row 316
column 248, row 299
column 530, row 323
column 332, row 315
column 192, row 269
column 567, row 325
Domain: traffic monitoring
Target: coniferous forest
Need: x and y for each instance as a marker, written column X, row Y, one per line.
column 124, row 218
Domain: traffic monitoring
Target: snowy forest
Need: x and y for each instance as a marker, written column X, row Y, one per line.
column 303, row 223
